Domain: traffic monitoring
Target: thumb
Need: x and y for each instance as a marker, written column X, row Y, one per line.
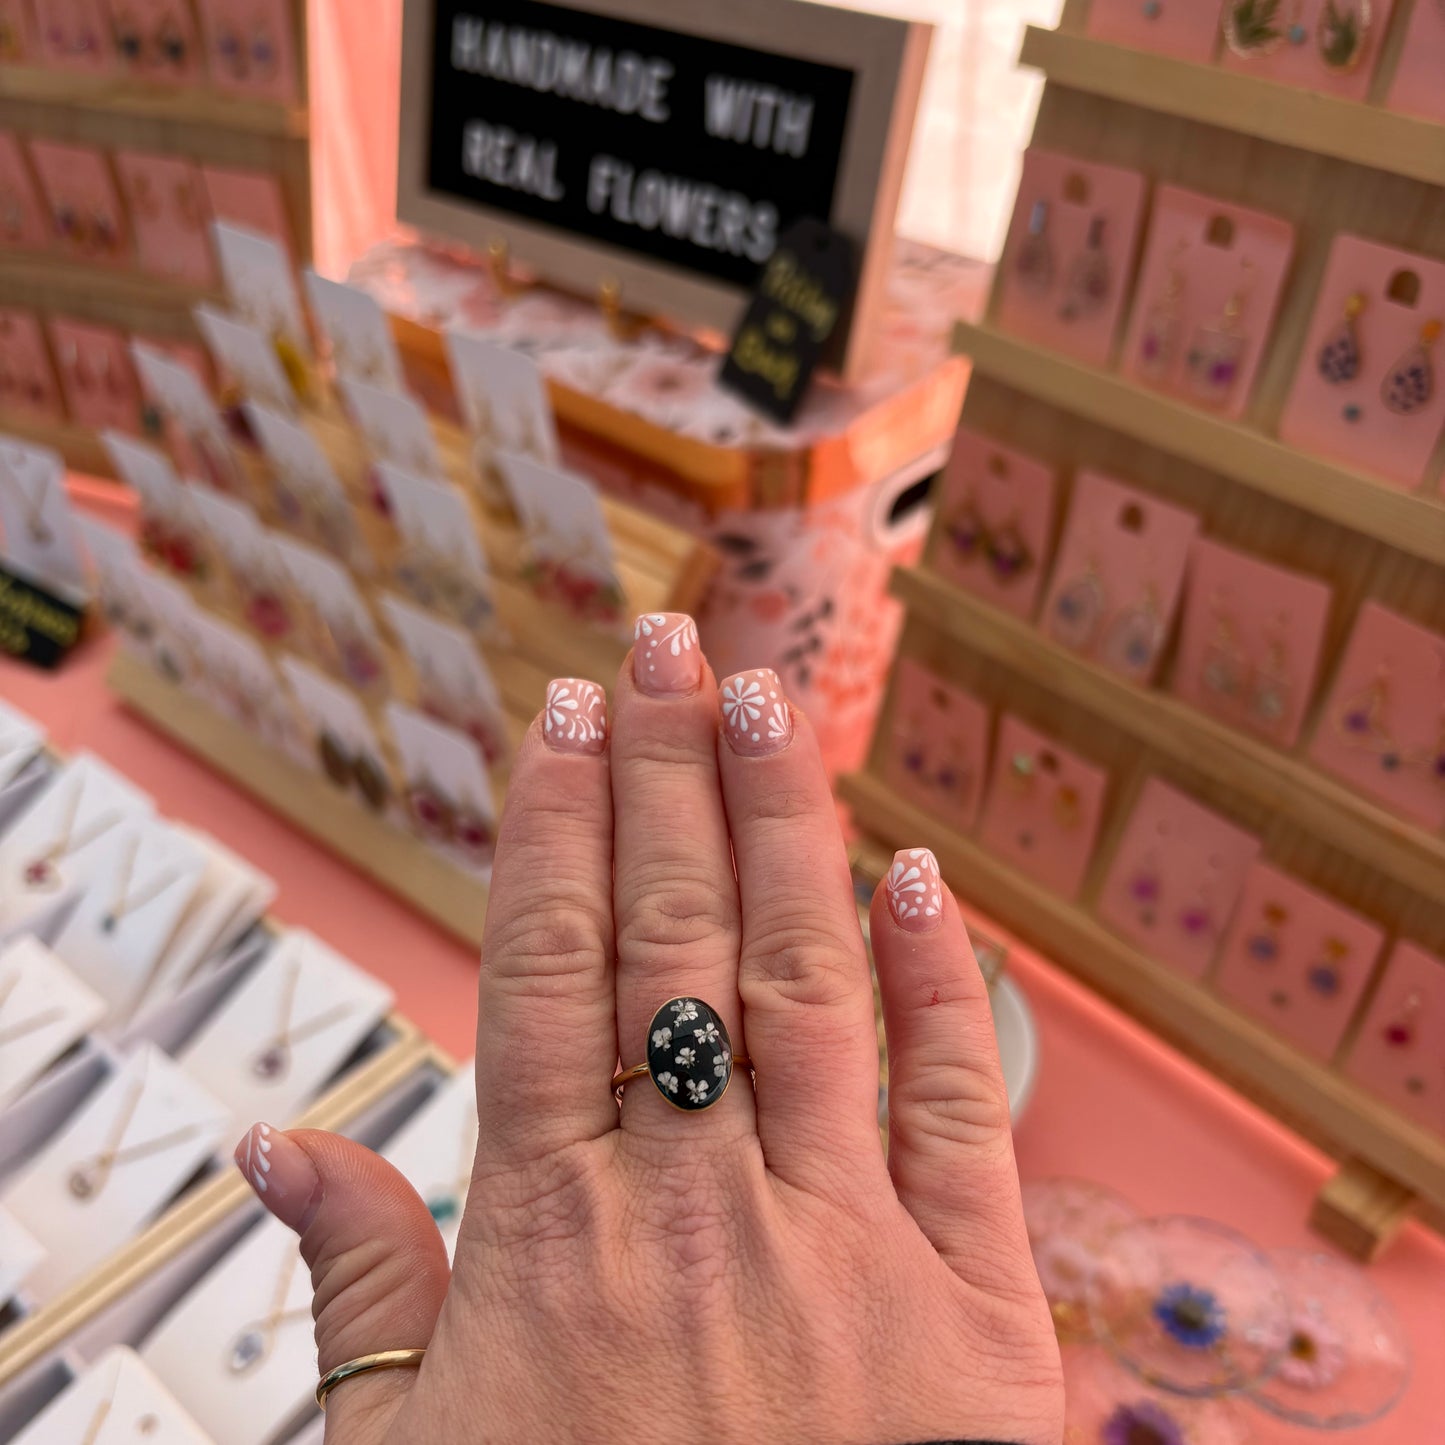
column 378, row 1265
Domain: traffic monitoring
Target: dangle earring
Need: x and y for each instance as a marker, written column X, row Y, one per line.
column 910, row 746
column 1196, row 919
column 1009, row 557
column 953, row 777
column 1434, row 759
column 1066, row 807
column 1271, row 686
column 1216, row 352
column 1362, row 723
column 1135, row 637
column 1250, row 31
column 1325, row 974
column 263, row 51
column 170, row 42
column 1146, row 886
column 1399, row 1033
column 1343, row 33
column 128, row 42
column 1159, row 340
column 1338, row 361
column 1078, row 610
column 1086, row 287
column 1263, row 945
column 1410, row 384
column 1034, row 261
column 963, row 526
column 1223, row 670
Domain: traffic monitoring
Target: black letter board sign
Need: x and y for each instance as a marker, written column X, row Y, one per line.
column 661, row 144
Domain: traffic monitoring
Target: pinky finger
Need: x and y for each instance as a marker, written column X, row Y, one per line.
column 950, row 1148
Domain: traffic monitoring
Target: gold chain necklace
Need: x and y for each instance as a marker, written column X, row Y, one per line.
column 272, row 1061
column 10, row 1032
column 126, row 902
column 40, row 872
column 256, row 1341
column 88, row 1178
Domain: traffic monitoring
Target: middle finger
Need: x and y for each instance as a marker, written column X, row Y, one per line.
column 675, row 899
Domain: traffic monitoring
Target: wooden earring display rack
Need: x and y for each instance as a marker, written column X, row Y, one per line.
column 115, row 114
column 1328, row 166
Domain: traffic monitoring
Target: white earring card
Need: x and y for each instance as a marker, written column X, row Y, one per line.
column 345, row 748
column 116, row 1402
column 447, row 795
column 44, row 1011
column 362, row 346
column 260, row 285
column 394, row 427
column 503, row 398
column 238, row 1350
column 277, row 1040
column 114, row 1164
column 244, row 355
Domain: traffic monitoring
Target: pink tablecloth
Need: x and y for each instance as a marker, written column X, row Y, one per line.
column 1112, row 1103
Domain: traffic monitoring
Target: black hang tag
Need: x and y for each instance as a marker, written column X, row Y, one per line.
column 35, row 625
column 801, row 299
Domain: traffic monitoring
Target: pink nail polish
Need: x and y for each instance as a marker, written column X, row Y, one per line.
column 756, row 718
column 575, row 717
column 915, row 891
column 282, row 1174
column 666, row 658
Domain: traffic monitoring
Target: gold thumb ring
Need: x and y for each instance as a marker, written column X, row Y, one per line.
column 363, row 1365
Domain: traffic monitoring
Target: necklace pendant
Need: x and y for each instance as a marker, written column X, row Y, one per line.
column 247, row 1351
column 39, row 873
column 84, row 1181
column 269, row 1063
column 443, row 1208
column 108, row 923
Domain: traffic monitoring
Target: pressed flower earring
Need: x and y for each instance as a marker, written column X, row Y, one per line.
column 1196, row 919
column 1263, row 945
column 1146, row 886
column 1338, row 361
column 1223, row 669
column 1087, row 285
column 963, row 526
column 1399, row 1033
column 1326, row 974
column 1343, row 34
column 1034, row 261
column 911, row 752
column 1159, row 338
column 1009, row 557
column 1216, row 353
column 1410, row 384
column 1078, row 610
column 1136, row 636
column 1271, row 687
column 1361, row 723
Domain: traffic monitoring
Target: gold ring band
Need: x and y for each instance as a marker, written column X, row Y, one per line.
column 363, row 1365
column 623, row 1077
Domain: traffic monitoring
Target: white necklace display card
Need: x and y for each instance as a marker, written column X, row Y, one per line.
column 394, row 427
column 504, row 398
column 362, row 346
column 115, row 1165
column 140, row 883
column 562, row 517
column 246, row 356
column 259, row 283
column 435, row 1149
column 238, row 1350
column 44, row 1010
column 118, row 1401
column 36, row 521
column 274, row 1044
column 20, row 1255
column 21, row 739
column 49, row 851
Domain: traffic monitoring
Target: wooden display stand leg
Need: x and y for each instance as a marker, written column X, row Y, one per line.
column 1360, row 1210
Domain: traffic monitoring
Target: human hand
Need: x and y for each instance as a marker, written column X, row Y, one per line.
column 750, row 1271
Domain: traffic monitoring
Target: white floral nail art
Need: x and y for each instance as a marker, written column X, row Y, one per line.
column 915, row 890
column 668, row 1082
column 575, row 716
column 672, row 631
column 256, row 1162
column 661, row 1038
column 755, row 713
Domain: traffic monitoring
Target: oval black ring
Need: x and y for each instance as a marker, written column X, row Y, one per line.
column 681, row 1027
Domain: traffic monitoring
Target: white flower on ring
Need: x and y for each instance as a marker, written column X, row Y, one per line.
column 707, row 1034
column 661, row 1038
column 668, row 1082
column 684, row 1009
column 720, row 1063
column 697, row 1088
column 686, row 1058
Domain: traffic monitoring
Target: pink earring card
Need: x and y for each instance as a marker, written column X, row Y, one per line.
column 1118, row 575
column 74, row 35
column 1416, row 88
column 251, row 49
column 24, row 216
column 170, row 217
column 1068, row 262
column 1176, row 877
column 1186, row 28
column 250, row 200
column 938, row 755
column 1250, row 643
column 1206, row 300
column 1383, row 728
column 1369, row 389
column 27, row 380
column 1330, row 46
column 1399, row 1051
column 156, row 41
column 1044, row 807
column 995, row 522
column 1297, row 960
column 85, row 210
column 101, row 390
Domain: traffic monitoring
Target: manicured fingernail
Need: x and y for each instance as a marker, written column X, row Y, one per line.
column 575, row 718
column 756, row 718
column 282, row 1174
column 915, row 891
column 666, row 660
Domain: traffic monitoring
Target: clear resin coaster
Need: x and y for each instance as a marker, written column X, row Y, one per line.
column 1344, row 1355
column 1070, row 1223
column 1188, row 1305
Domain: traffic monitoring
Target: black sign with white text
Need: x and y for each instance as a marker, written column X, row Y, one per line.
column 35, row 624
column 688, row 151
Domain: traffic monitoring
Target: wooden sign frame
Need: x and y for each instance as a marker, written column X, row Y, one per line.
column 886, row 57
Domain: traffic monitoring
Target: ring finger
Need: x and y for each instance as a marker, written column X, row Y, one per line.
column 675, row 898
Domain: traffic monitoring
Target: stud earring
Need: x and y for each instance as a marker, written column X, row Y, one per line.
column 1216, row 352
column 963, row 526
column 1146, row 887
column 1399, row 1033
column 1009, row 557
column 1159, row 340
column 1078, row 610
column 1022, row 773
column 1135, row 637
column 263, row 51
column 1223, row 669
column 1034, row 263
column 1325, row 974
column 1410, row 384
column 171, row 42
column 128, row 42
column 1250, row 30
column 1272, row 686
column 1263, row 945
column 1338, row 361
column 1343, row 33
column 1086, row 287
